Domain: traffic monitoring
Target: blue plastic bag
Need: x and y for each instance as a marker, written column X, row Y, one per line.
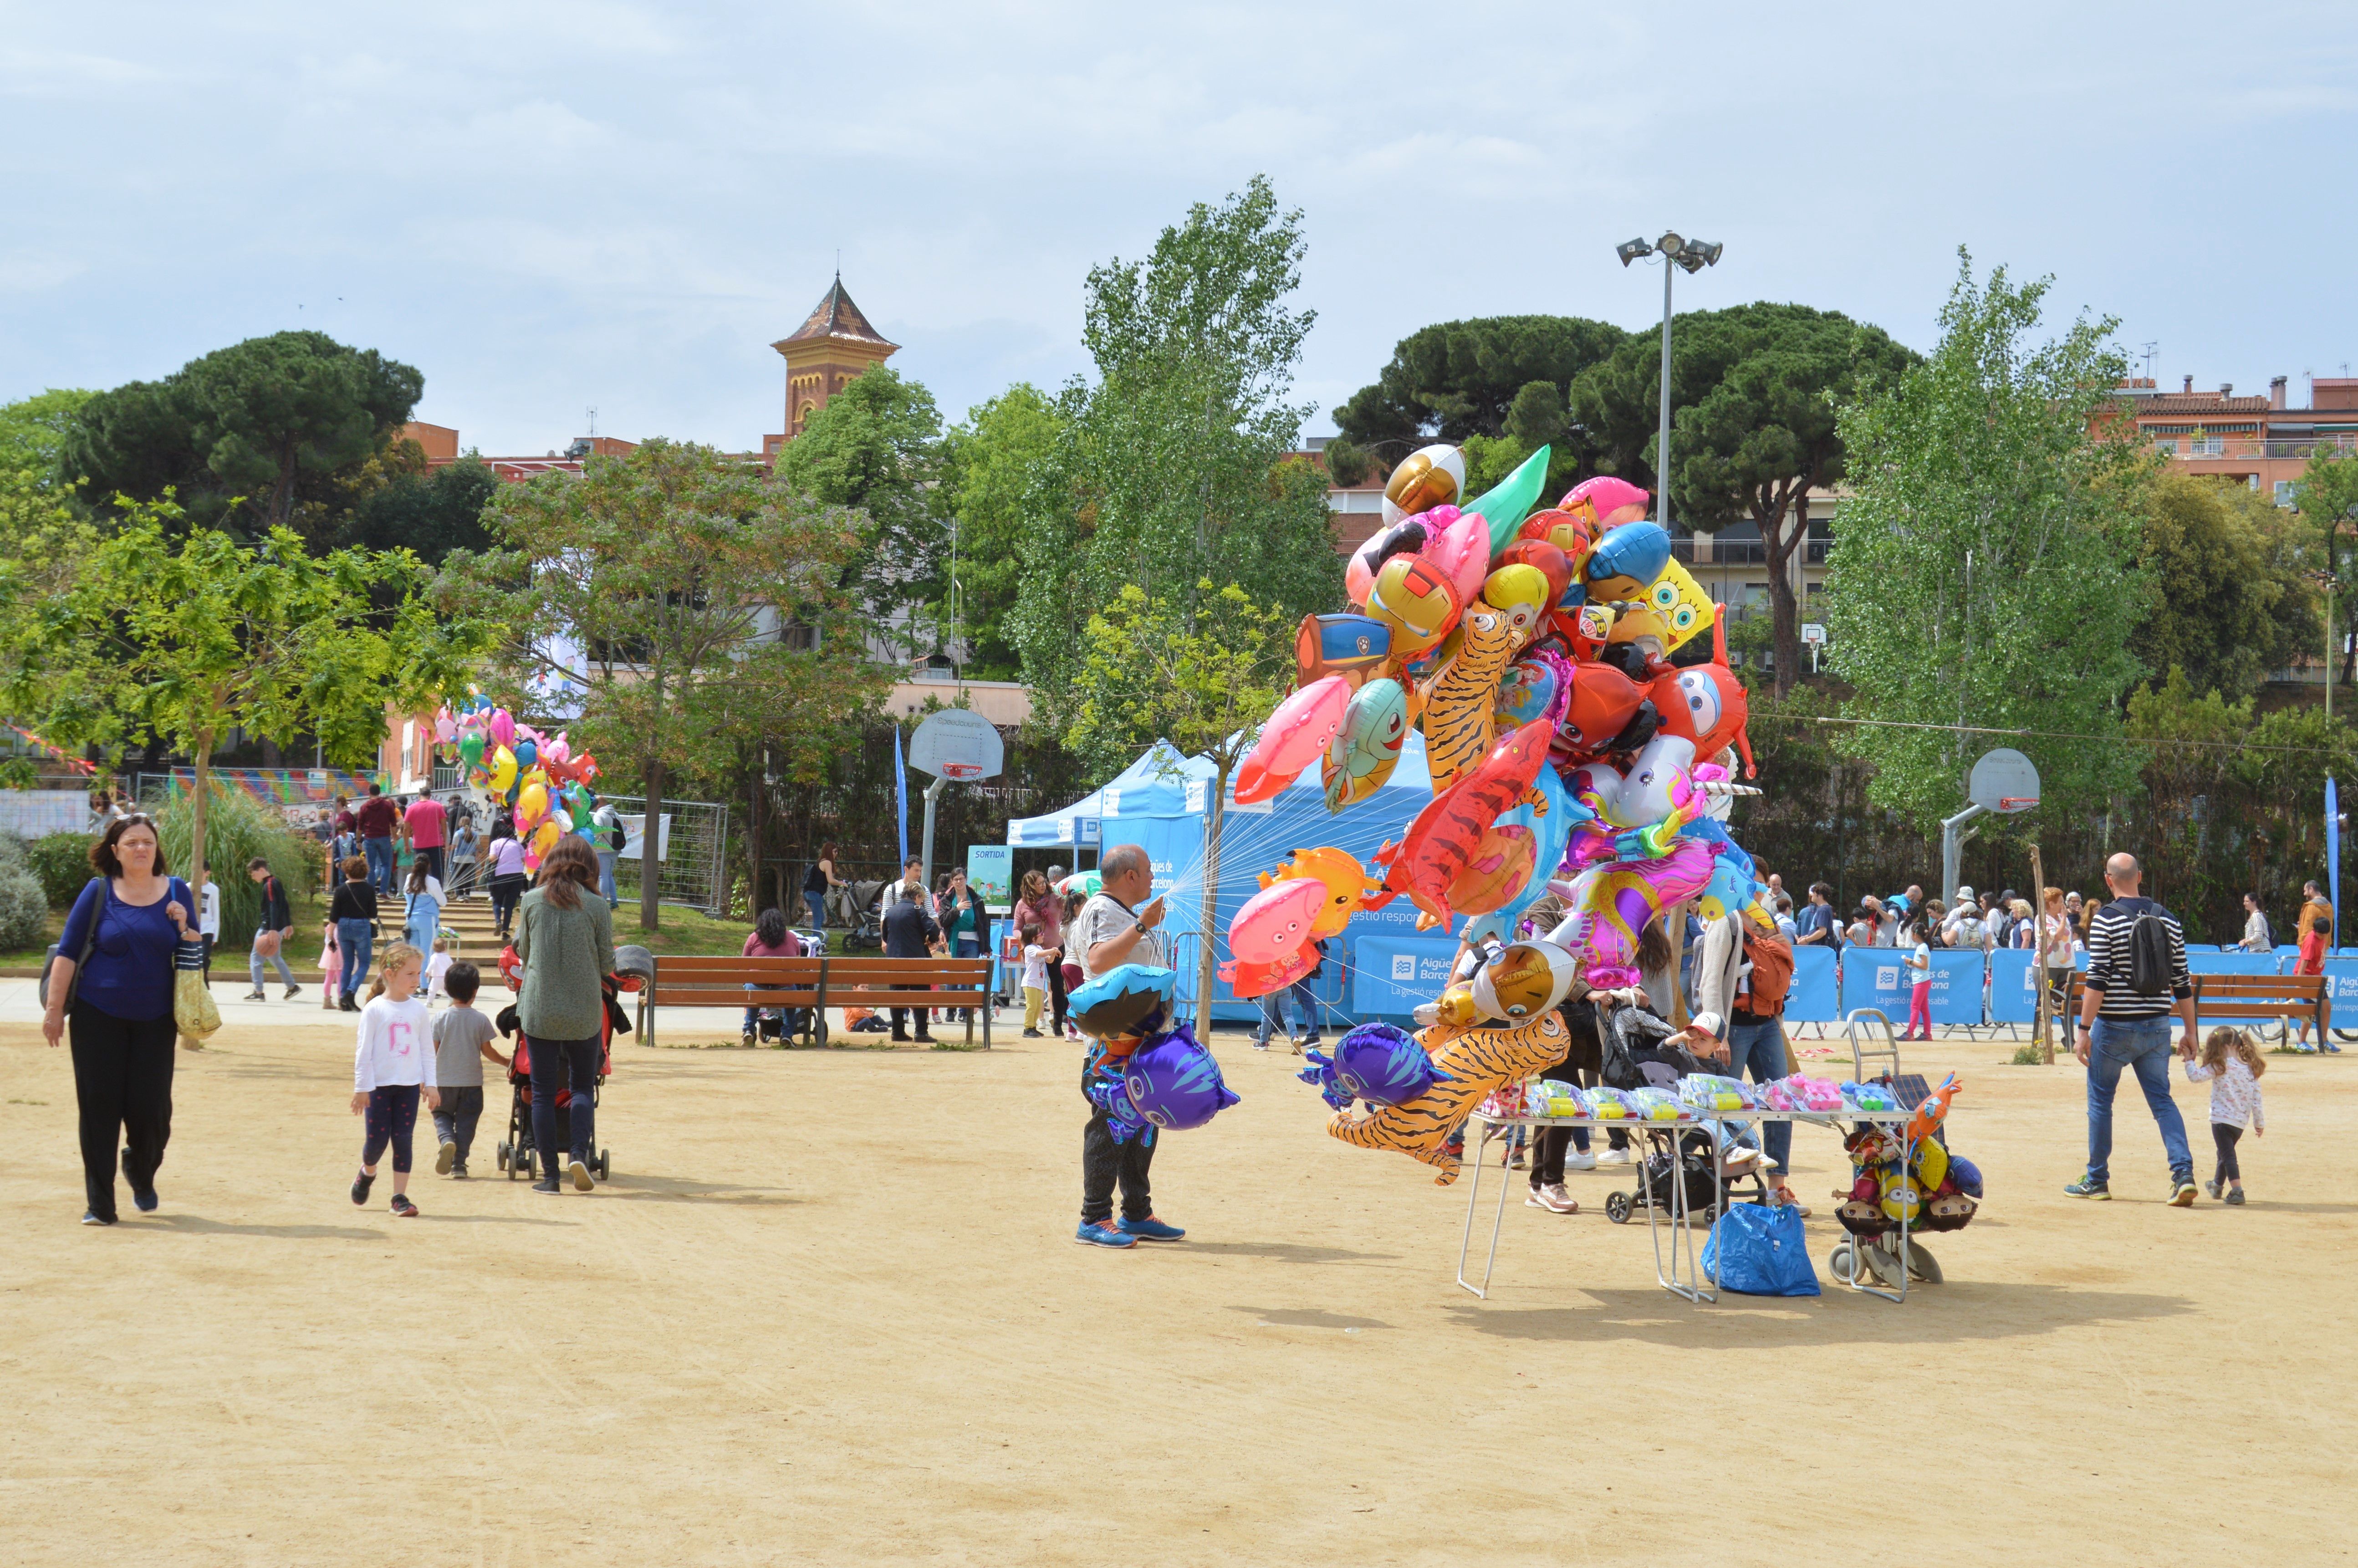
column 1758, row 1251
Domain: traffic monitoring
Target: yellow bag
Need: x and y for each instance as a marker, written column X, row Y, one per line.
column 192, row 1000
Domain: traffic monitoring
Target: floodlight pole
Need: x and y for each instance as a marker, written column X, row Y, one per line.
column 1662, row 439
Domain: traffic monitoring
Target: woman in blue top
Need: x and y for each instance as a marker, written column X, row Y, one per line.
column 114, row 961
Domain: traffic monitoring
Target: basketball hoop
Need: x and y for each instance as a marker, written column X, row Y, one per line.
column 2011, row 803
column 961, row 772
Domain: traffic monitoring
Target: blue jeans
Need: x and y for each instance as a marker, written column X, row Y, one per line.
column 352, row 942
column 567, row 1064
column 1761, row 1047
column 606, row 878
column 379, row 862
column 2143, row 1048
column 1273, row 1013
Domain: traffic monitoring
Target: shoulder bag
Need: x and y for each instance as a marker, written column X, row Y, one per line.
column 89, row 940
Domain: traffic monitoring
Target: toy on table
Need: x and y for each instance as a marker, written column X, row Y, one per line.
column 1710, row 1091
column 1659, row 1105
column 1609, row 1105
column 1868, row 1096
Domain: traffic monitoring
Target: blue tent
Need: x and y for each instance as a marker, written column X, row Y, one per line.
column 1380, row 966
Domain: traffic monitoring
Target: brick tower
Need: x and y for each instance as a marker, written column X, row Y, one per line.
column 824, row 355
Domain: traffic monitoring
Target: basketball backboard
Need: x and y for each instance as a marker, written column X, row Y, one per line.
column 958, row 743
column 2004, row 781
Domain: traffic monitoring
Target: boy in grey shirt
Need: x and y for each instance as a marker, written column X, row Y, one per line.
column 462, row 1044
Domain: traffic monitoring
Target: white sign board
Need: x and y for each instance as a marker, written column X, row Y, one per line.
column 634, row 829
column 958, row 743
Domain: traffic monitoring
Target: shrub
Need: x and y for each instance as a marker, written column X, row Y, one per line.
column 24, row 911
column 2028, row 1056
column 237, row 828
column 60, row 861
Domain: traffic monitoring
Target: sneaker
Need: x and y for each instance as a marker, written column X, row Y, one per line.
column 444, row 1158
column 1516, row 1162
column 90, row 1217
column 1101, row 1234
column 2210, row 1189
column 547, row 1184
column 2183, row 1195
column 2090, row 1188
column 2330, row 1047
column 2236, row 1197
column 457, row 1172
column 1031, row 1034
column 292, row 992
column 1553, row 1198
column 144, row 1201
column 1739, row 1162
column 254, row 995
column 1148, row 1229
column 579, row 1169
column 1261, row 1044
column 360, row 1186
column 1579, row 1160
column 745, row 1041
column 402, row 1206
column 1613, row 1157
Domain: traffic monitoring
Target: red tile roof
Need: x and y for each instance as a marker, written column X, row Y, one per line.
column 835, row 317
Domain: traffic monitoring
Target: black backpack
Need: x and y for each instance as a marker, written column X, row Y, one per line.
column 2150, row 958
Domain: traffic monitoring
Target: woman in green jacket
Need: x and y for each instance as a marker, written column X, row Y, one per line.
column 565, row 942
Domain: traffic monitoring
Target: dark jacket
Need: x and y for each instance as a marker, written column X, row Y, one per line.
column 909, row 931
column 352, row 901
column 275, row 914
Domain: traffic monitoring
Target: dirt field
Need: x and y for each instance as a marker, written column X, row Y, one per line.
column 829, row 1312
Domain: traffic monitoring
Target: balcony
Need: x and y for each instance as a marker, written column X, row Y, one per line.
column 2191, row 449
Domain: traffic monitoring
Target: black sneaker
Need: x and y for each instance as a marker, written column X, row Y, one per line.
column 2090, row 1188
column 254, row 995
column 444, row 1158
column 457, row 1172
column 292, row 992
column 547, row 1184
column 360, row 1186
column 402, row 1206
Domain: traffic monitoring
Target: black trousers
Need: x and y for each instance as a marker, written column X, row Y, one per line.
column 900, row 1017
column 122, row 1086
column 1057, row 997
column 2224, row 1137
column 1104, row 1164
column 507, row 892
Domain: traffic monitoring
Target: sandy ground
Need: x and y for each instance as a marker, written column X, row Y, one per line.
column 829, row 1312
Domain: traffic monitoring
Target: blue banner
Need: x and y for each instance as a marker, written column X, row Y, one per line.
column 2340, row 985
column 1957, row 985
column 1390, row 974
column 901, row 792
column 1876, row 977
column 2014, row 986
column 1812, row 1000
column 2231, row 963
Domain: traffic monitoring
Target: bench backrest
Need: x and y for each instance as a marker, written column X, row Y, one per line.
column 2245, row 996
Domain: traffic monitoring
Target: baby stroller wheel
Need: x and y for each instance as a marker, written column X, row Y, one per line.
column 1616, row 1207
column 1842, row 1262
column 500, row 1154
column 605, row 1164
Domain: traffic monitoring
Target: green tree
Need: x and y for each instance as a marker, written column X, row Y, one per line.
column 876, row 450
column 995, row 462
column 1457, row 379
column 706, row 594
column 1173, row 469
column 1755, row 394
column 184, row 634
column 2228, row 604
column 1983, row 571
column 255, row 435
column 1203, row 675
column 33, row 431
column 2327, row 496
column 430, row 512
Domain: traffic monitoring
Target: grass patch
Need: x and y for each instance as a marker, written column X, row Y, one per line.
column 2028, row 1056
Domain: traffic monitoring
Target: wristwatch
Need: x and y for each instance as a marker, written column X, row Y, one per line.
column 1139, row 926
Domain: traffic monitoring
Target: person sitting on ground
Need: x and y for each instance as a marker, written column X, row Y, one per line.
column 770, row 938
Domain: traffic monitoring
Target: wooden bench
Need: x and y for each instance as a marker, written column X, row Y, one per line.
column 814, row 985
column 687, row 981
column 878, row 983
column 2238, row 999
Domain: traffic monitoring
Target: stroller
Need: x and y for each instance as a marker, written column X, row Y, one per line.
column 1677, row 1155
column 861, row 905
column 517, row 1155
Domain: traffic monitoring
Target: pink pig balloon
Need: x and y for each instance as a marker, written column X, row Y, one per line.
column 445, row 727
column 1276, row 921
column 1294, row 737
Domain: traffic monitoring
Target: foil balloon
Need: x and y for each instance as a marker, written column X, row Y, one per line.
column 1526, row 979
column 1416, row 602
column 1610, row 502
column 562, row 818
column 1292, row 739
column 1250, row 980
column 1571, row 536
column 1551, row 564
column 471, row 749
column 1626, row 560
column 1602, row 702
column 1175, row 1082
column 1461, row 552
column 1500, row 867
column 1428, row 476
column 445, row 727
column 1446, row 833
column 1686, row 610
column 1506, row 505
column 504, row 769
column 527, row 753
column 1361, row 759
column 1612, row 904
column 1276, row 921
column 1526, row 690
column 1458, row 723
column 1335, row 871
column 1405, row 536
column 1551, row 815
column 1707, row 703
column 544, row 838
column 532, row 802
column 503, row 728
column 1374, row 1062
column 1115, row 1003
column 1653, row 785
column 1352, row 646
column 1468, row 1064
column 1729, row 891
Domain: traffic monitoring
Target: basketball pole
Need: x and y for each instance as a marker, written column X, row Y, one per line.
column 2043, row 1032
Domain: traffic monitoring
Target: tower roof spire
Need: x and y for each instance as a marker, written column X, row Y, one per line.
column 835, row 317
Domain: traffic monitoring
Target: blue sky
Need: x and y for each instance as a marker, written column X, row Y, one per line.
column 550, row 207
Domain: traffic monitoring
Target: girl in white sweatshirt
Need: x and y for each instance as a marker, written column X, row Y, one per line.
column 392, row 1068
column 2232, row 1066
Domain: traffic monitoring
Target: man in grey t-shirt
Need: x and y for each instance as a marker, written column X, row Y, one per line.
column 462, row 1041
column 1117, row 927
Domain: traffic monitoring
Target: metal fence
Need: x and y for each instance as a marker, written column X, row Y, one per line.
column 695, row 871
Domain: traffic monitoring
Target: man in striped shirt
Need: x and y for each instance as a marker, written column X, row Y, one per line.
column 2121, row 1027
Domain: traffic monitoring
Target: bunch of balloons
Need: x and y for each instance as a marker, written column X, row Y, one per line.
column 543, row 782
column 1532, row 648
